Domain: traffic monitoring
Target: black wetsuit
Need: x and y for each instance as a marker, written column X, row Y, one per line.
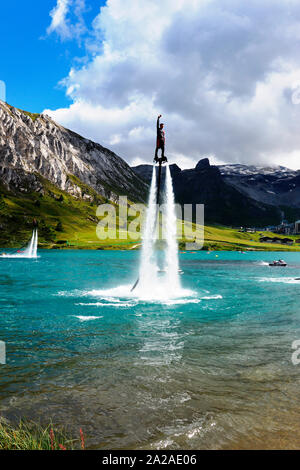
column 160, row 142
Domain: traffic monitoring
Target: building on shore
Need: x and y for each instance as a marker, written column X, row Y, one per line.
column 297, row 227
column 280, row 241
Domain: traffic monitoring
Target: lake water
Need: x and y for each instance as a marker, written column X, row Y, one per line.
column 209, row 370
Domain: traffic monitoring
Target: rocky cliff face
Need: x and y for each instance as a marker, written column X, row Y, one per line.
column 33, row 145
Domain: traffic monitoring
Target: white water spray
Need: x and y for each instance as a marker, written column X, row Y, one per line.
column 158, row 275
column 172, row 263
column 29, row 252
column 155, row 282
column 35, row 245
column 148, row 267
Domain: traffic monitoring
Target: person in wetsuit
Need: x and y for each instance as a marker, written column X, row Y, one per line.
column 160, row 141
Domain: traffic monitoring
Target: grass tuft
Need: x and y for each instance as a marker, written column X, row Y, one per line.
column 32, row 436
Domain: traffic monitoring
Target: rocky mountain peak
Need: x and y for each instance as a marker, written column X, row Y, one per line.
column 202, row 164
column 33, row 145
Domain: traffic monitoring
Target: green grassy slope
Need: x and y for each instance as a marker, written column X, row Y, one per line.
column 224, row 238
column 67, row 222
column 60, row 217
column 64, row 221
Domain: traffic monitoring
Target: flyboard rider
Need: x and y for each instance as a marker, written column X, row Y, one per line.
column 160, row 142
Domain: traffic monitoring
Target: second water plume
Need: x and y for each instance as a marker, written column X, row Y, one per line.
column 30, row 251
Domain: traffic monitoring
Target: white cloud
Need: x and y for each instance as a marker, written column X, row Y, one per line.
column 61, row 22
column 223, row 73
column 59, row 17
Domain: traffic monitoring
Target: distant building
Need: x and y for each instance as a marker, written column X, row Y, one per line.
column 284, row 227
column 271, row 228
column 281, row 241
column 287, row 241
column 297, row 227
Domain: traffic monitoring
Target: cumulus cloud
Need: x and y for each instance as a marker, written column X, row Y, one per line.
column 61, row 22
column 225, row 74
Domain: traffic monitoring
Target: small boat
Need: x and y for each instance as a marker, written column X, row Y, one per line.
column 280, row 262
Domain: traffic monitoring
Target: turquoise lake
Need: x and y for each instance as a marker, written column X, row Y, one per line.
column 209, row 370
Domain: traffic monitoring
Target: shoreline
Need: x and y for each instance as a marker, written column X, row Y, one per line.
column 280, row 249
column 215, row 237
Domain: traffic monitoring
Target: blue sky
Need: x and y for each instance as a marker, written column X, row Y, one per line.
column 32, row 61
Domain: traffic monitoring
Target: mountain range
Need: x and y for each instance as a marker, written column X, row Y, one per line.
column 236, row 194
column 59, row 177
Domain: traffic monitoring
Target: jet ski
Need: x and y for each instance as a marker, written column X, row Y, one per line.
column 280, row 262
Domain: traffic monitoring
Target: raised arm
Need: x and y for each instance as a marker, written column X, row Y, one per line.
column 157, row 124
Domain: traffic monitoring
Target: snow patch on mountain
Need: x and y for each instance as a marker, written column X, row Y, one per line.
column 249, row 170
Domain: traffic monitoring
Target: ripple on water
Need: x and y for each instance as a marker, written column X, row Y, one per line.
column 284, row 280
column 87, row 317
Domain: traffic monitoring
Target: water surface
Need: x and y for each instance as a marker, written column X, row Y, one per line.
column 209, row 369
